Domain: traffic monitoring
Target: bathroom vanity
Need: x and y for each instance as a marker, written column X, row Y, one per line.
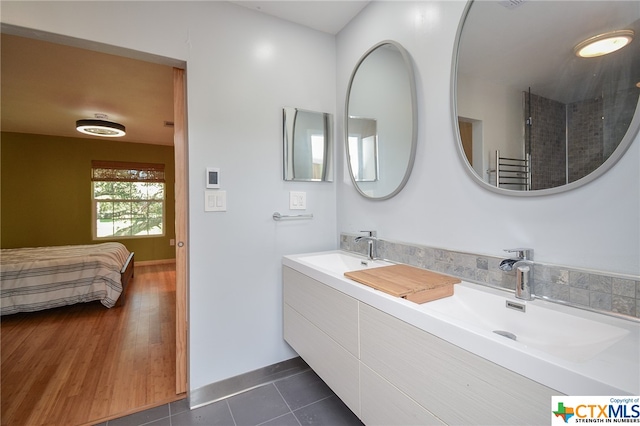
column 397, row 362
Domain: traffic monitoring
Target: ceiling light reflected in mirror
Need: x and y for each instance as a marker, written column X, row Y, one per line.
column 604, row 44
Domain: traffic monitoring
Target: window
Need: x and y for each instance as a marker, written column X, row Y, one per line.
column 128, row 199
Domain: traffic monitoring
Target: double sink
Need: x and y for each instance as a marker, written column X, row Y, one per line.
column 572, row 350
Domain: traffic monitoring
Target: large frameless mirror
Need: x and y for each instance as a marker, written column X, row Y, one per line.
column 307, row 145
column 533, row 117
column 380, row 122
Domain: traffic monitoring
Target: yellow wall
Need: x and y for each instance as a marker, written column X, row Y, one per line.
column 45, row 191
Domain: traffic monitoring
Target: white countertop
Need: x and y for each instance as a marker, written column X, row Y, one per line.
column 613, row 371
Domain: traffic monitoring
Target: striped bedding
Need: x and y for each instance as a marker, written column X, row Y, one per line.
column 39, row 278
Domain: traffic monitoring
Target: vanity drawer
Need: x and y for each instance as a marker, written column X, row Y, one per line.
column 331, row 311
column 384, row 404
column 455, row 385
column 335, row 366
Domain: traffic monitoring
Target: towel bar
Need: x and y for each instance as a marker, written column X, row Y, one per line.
column 278, row 216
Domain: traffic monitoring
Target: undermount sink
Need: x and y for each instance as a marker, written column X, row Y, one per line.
column 569, row 335
column 341, row 262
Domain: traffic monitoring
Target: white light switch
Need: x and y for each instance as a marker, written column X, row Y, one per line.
column 297, row 200
column 215, row 201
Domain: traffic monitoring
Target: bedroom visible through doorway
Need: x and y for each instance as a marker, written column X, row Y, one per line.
column 177, row 129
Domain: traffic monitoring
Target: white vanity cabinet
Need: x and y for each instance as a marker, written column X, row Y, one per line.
column 390, row 372
column 321, row 324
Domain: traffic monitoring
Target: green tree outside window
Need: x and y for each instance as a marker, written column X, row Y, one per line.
column 128, row 199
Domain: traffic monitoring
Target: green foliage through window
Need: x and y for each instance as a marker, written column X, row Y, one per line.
column 129, row 206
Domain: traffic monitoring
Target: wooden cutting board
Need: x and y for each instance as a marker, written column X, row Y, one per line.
column 411, row 283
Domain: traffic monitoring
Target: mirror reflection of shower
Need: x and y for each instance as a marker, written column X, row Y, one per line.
column 582, row 109
column 561, row 142
column 566, row 142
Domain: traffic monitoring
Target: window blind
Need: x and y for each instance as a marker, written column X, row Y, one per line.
column 120, row 171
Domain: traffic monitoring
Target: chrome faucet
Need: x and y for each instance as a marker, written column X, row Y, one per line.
column 370, row 238
column 523, row 265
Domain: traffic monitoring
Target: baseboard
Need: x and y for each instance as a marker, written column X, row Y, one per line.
column 154, row 262
column 247, row 381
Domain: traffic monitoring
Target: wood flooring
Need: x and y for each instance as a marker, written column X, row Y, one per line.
column 85, row 363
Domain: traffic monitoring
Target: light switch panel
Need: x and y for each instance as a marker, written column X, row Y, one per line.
column 297, row 200
column 215, row 201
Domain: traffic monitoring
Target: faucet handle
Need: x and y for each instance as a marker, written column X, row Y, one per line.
column 522, row 253
column 370, row 233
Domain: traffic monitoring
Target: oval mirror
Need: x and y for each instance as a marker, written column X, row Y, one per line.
column 381, row 125
column 532, row 117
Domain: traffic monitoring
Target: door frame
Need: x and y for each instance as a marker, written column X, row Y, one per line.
column 181, row 212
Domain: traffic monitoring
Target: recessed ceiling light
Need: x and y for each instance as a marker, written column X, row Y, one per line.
column 100, row 127
column 604, row 44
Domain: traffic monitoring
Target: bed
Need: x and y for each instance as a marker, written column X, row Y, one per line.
column 33, row 279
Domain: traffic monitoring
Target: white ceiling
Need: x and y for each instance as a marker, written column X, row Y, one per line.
column 47, row 86
column 322, row 15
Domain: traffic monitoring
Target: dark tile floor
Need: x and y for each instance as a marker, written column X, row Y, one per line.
column 299, row 400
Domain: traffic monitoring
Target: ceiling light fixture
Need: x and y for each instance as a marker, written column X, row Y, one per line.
column 604, row 44
column 100, row 126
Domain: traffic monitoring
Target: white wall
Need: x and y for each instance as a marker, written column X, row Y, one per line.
column 242, row 68
column 501, row 112
column 596, row 226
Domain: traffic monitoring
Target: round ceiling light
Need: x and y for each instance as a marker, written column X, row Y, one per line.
column 97, row 127
column 604, row 44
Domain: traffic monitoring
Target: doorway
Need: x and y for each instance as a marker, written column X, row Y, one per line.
column 473, row 146
column 178, row 88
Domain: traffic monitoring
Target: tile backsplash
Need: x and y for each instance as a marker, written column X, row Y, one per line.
column 605, row 292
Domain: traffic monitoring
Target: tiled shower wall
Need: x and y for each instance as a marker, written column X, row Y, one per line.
column 618, row 113
column 586, row 137
column 548, row 142
column 595, row 128
column 612, row 293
